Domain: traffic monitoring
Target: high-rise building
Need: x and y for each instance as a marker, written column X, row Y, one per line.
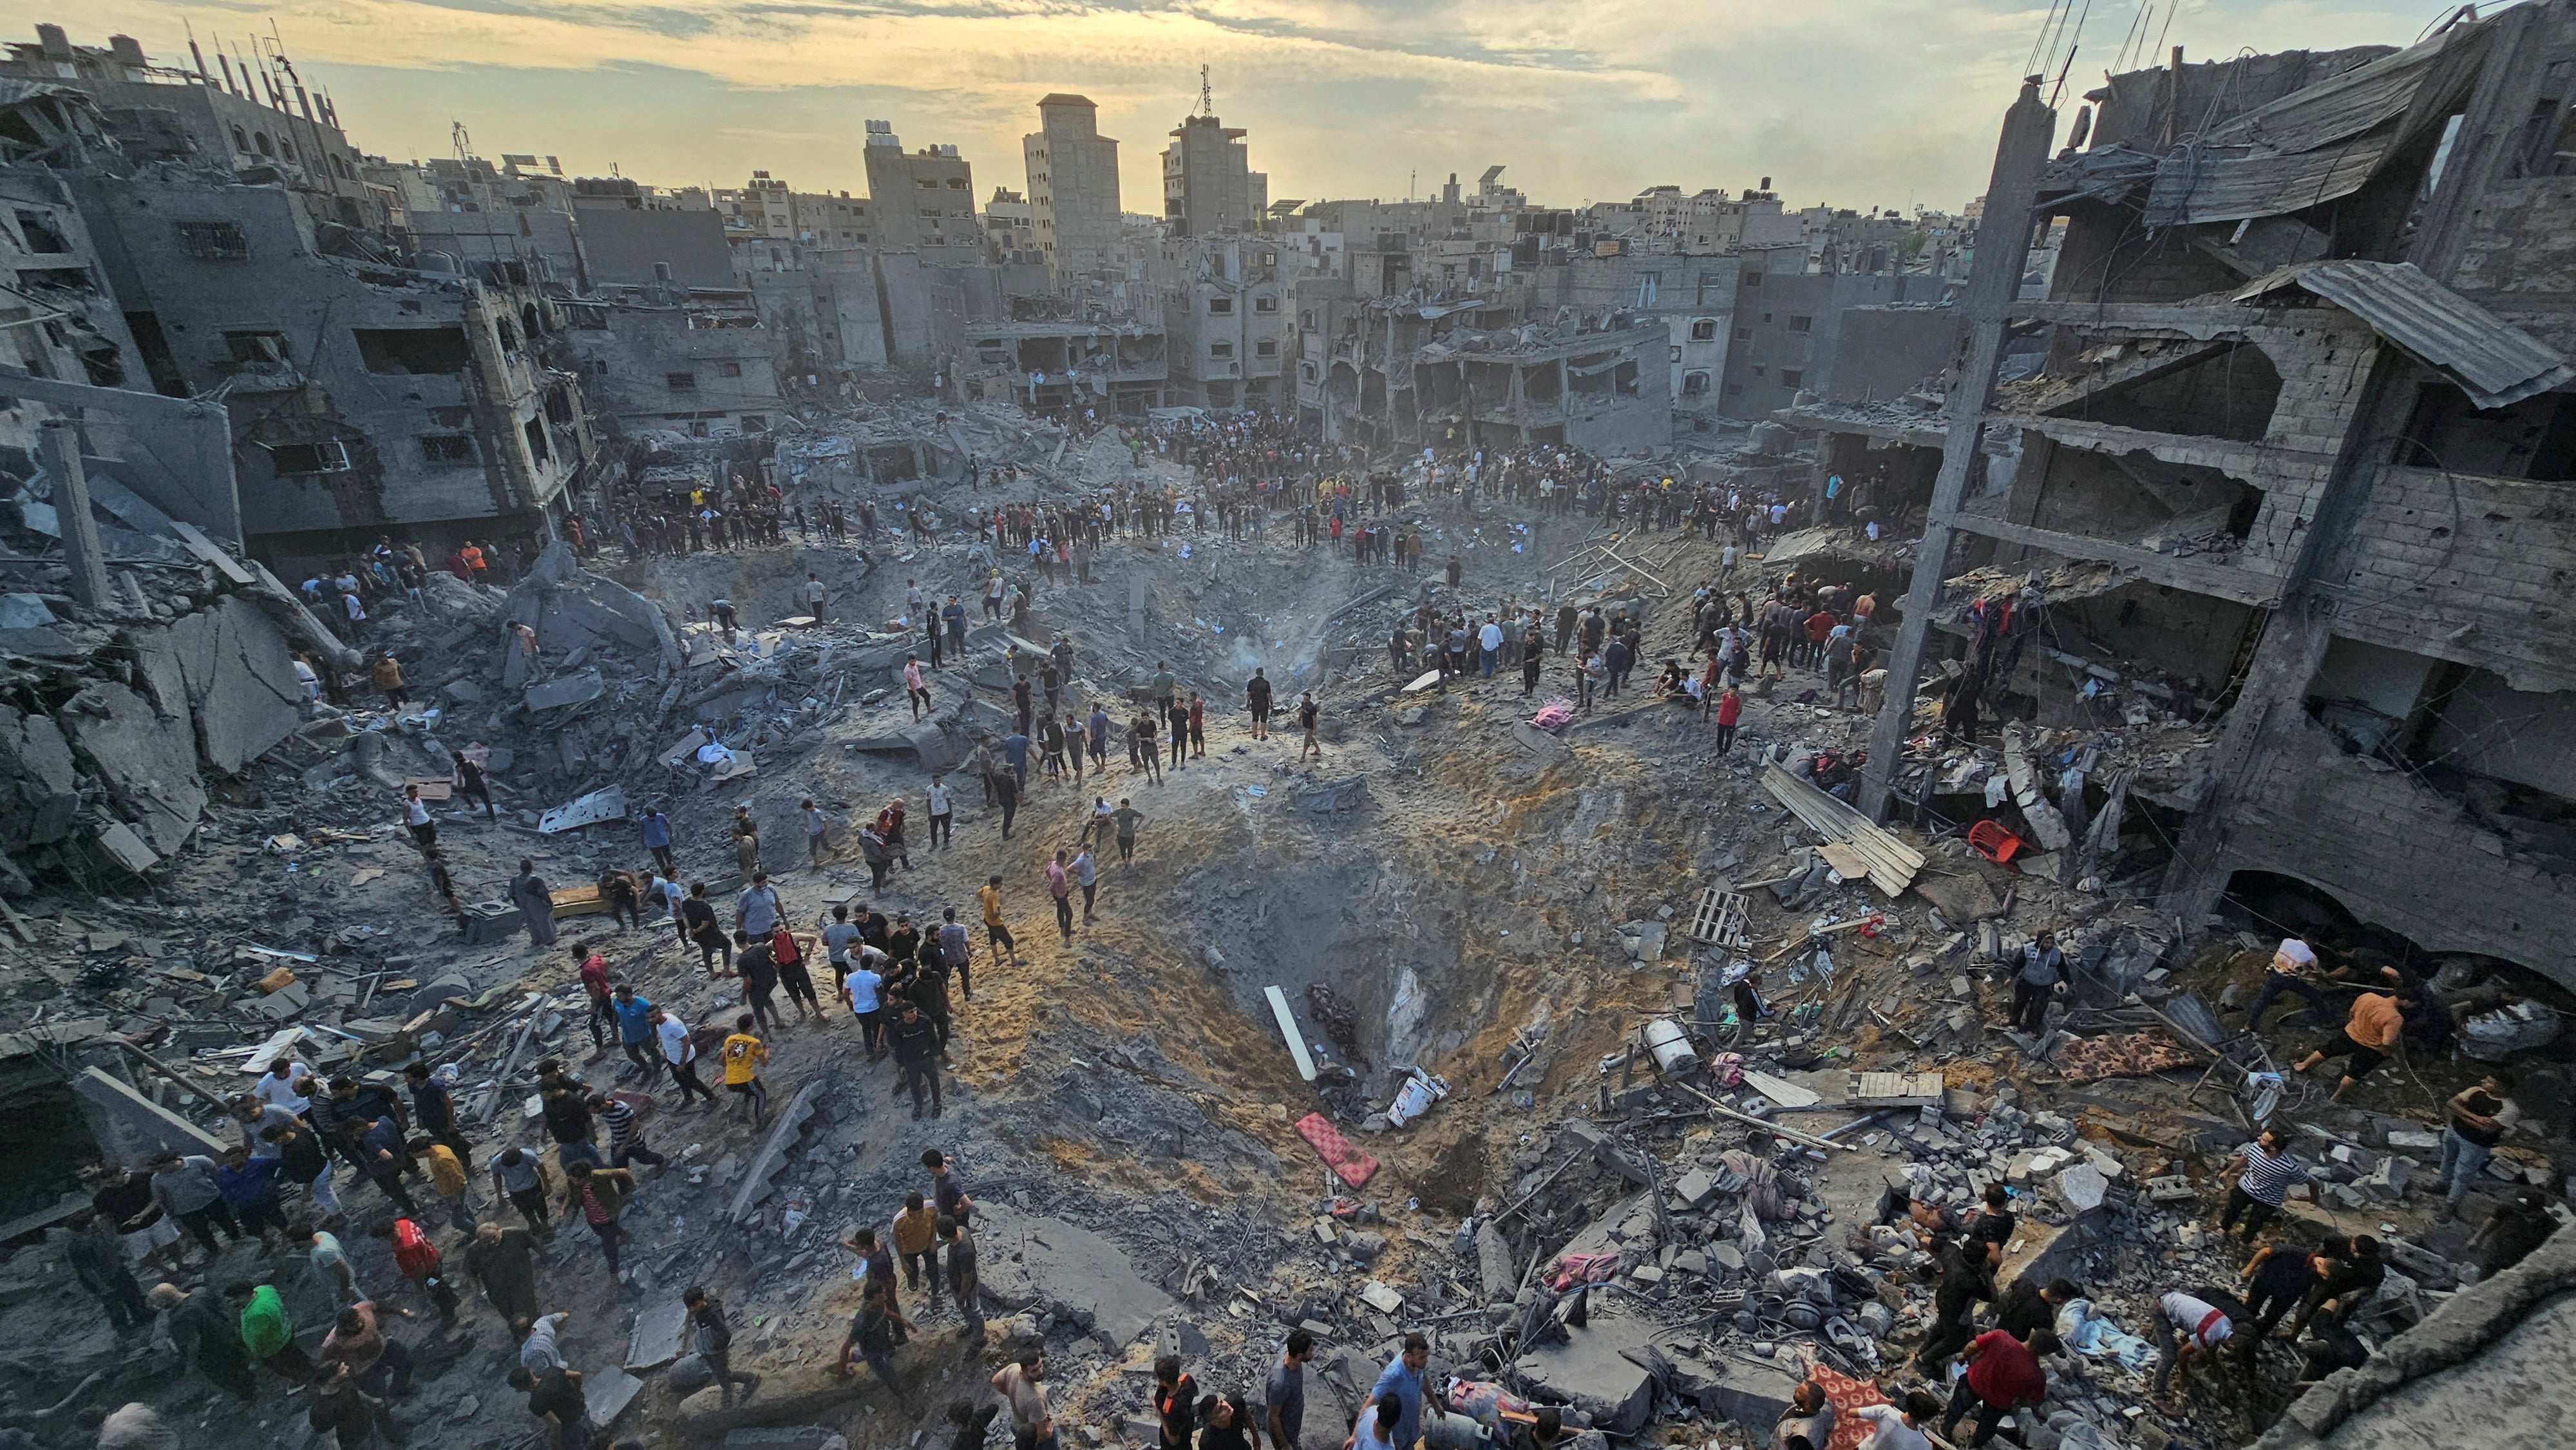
column 1073, row 185
column 1209, row 185
column 923, row 198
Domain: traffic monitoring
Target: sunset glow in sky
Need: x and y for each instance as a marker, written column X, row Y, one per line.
column 1852, row 102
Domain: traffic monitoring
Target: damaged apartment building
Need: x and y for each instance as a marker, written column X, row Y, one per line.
column 2286, row 452
column 371, row 383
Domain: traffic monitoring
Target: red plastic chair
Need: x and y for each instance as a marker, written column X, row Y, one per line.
column 1995, row 843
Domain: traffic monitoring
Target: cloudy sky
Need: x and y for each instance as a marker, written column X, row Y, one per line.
column 1852, row 102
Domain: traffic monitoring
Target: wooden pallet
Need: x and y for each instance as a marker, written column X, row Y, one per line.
column 1719, row 918
column 1894, row 1090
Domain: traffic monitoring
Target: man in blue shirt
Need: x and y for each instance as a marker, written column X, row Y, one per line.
column 1401, row 1383
column 635, row 1032
column 657, row 838
column 1015, row 750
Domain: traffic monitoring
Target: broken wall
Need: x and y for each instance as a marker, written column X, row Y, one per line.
column 2469, row 568
column 2393, row 850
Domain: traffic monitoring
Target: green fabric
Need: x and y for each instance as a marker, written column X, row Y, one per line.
column 264, row 1326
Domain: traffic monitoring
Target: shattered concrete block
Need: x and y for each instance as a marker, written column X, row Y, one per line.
column 150, row 768
column 577, row 688
column 1381, row 1297
column 1691, row 1261
column 1031, row 1262
column 2083, row 1187
column 1693, row 1188
column 656, row 1339
column 1590, row 1370
column 131, row 1126
column 607, row 1393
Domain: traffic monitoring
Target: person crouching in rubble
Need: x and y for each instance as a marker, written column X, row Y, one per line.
column 1809, row 1420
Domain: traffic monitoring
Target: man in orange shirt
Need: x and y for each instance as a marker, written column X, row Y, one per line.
column 2368, row 1036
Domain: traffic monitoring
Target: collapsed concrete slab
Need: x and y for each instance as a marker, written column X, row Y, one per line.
column 1029, row 1262
column 577, row 688
column 1590, row 1369
column 607, row 1393
column 131, row 1126
column 657, row 1336
column 39, row 781
column 149, row 768
column 241, row 682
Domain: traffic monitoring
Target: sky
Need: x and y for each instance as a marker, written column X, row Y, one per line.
column 1860, row 103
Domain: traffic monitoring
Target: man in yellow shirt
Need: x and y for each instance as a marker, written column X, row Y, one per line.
column 916, row 1238
column 999, row 934
column 2368, row 1036
column 742, row 1056
column 446, row 1178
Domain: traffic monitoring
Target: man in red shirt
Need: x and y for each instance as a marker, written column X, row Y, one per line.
column 595, row 985
column 1819, row 625
column 2003, row 1376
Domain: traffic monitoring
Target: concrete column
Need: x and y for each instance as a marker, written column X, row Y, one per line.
column 71, row 505
column 1993, row 279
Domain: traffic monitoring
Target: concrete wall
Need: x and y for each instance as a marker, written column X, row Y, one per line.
column 1886, row 352
column 2394, row 851
column 623, row 243
column 2435, row 553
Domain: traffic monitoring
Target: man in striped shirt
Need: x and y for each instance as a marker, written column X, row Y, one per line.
column 2265, row 1185
column 625, row 1134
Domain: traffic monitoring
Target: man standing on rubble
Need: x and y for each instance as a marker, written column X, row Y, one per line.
column 2480, row 1116
column 536, row 904
column 657, row 838
column 2265, row 1184
column 1399, row 1383
column 2042, row 975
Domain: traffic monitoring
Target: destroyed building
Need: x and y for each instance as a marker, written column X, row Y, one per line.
column 2294, row 464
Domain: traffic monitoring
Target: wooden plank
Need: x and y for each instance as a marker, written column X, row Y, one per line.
column 1851, row 861
column 1288, row 1029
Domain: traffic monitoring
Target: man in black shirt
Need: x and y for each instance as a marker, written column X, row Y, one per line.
column 759, row 978
column 2028, row 1306
column 962, row 1282
column 1961, row 1284
column 1256, row 696
column 2352, row 1273
column 916, row 1056
column 98, row 1263
column 715, row 1343
column 2276, row 1279
column 556, row 1397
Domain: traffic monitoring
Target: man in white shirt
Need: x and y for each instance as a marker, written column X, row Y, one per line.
column 2293, row 970
column 277, row 1085
column 1489, row 641
column 1900, row 1428
column 941, row 812
column 681, row 1056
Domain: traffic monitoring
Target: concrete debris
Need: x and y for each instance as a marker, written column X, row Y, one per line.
column 1028, row 1261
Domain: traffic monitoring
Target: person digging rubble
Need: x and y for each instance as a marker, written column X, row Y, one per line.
column 1810, row 1417
column 2004, row 1377
column 2187, row 1325
column 2369, row 1035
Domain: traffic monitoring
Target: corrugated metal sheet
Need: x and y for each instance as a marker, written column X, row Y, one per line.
column 2313, row 146
column 2201, row 184
column 2496, row 363
column 2349, row 104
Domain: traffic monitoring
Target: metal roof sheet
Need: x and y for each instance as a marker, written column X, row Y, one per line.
column 2496, row 363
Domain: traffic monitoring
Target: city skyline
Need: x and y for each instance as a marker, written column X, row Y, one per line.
column 1841, row 104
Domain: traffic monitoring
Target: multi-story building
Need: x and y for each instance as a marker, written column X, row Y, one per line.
column 1209, row 185
column 1010, row 224
column 1223, row 313
column 363, row 393
column 922, row 198
column 257, row 121
column 1073, row 186
column 1788, row 325
column 669, row 358
column 2307, row 414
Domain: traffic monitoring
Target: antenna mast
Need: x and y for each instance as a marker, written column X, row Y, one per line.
column 1207, row 97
